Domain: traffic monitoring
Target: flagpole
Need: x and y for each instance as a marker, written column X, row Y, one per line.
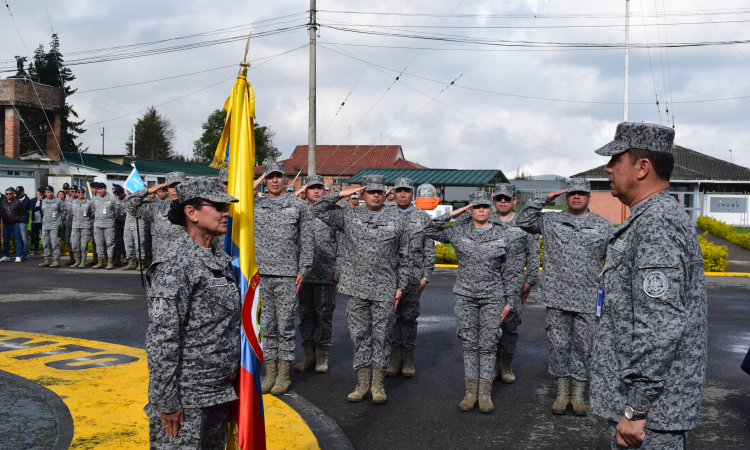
column 311, row 134
column 137, row 226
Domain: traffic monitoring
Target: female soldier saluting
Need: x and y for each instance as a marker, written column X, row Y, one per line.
column 193, row 338
column 479, row 291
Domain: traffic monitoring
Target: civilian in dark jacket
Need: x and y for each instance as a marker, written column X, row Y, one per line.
column 36, row 221
column 27, row 204
column 13, row 212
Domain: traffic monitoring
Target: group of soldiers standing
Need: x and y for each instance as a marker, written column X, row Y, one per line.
column 102, row 220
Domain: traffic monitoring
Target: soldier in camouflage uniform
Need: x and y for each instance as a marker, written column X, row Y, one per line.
column 163, row 232
column 284, row 245
column 193, row 337
column 648, row 361
column 53, row 214
column 81, row 219
column 120, row 219
column 317, row 299
column 135, row 236
column 575, row 244
column 105, row 212
column 404, row 334
column 481, row 300
column 69, row 224
column 374, row 276
column 521, row 273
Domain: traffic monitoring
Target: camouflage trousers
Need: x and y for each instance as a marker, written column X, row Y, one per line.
column 204, row 428
column 478, row 326
column 370, row 325
column 570, row 335
column 105, row 240
column 68, row 232
column 131, row 243
column 119, row 239
column 80, row 238
column 404, row 334
column 51, row 243
column 317, row 302
column 508, row 339
column 655, row 440
column 278, row 309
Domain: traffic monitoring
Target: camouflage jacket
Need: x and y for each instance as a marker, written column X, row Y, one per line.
column 81, row 213
column 163, row 232
column 327, row 252
column 193, row 337
column 120, row 213
column 377, row 249
column 422, row 247
column 522, row 253
column 284, row 239
column 481, row 257
column 106, row 209
column 574, row 249
column 649, row 348
column 53, row 213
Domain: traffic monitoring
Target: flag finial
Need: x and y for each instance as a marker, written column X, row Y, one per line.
column 244, row 64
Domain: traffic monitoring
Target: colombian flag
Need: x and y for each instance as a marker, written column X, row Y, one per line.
column 247, row 430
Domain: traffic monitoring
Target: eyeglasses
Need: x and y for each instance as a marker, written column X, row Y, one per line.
column 219, row 207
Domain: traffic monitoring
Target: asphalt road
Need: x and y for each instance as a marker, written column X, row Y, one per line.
column 421, row 412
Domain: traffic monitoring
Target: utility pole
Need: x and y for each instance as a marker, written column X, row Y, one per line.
column 627, row 50
column 133, row 149
column 311, row 134
column 186, row 148
column 102, row 140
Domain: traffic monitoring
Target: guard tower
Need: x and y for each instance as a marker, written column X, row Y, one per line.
column 22, row 93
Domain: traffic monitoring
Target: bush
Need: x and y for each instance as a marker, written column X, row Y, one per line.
column 714, row 256
column 724, row 231
column 444, row 254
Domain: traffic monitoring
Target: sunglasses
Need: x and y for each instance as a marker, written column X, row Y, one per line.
column 219, row 207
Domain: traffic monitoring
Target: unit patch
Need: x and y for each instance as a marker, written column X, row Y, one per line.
column 655, row 284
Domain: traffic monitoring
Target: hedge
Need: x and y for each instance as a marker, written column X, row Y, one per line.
column 724, row 231
column 444, row 254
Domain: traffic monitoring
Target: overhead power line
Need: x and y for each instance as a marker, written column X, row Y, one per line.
column 728, row 11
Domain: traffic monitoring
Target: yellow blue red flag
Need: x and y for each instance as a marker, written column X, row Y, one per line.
column 236, row 150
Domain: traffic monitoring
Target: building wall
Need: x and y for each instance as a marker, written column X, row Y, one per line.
column 611, row 208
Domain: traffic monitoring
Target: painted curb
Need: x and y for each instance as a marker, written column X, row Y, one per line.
column 708, row 274
column 329, row 435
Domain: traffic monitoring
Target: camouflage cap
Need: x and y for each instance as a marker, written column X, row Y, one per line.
column 403, row 183
column 224, row 175
column 313, row 180
column 506, row 189
column 643, row 136
column 290, row 188
column 274, row 167
column 373, row 182
column 327, row 186
column 207, row 188
column 175, row 177
column 337, row 190
column 355, row 195
column 578, row 185
column 480, row 198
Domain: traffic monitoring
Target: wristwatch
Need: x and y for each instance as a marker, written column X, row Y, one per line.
column 633, row 415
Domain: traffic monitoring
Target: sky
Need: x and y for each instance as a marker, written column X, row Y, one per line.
column 485, row 119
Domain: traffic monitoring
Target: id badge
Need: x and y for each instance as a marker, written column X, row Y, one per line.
column 54, row 214
column 85, row 213
column 104, row 211
column 599, row 302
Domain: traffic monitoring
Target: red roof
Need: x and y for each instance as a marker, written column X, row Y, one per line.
column 347, row 160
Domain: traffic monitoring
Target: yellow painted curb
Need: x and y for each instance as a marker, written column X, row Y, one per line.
column 708, row 274
column 106, row 403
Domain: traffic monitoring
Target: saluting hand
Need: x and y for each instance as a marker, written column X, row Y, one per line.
column 457, row 212
column 397, row 297
column 259, row 180
column 172, row 422
column 154, row 188
column 300, row 190
column 351, row 191
column 554, row 194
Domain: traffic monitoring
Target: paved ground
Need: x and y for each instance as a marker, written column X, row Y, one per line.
column 737, row 257
column 421, row 412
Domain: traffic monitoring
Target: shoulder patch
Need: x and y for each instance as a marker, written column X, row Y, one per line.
column 655, row 284
column 619, row 245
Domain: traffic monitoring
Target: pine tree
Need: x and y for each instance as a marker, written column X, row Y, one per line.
column 49, row 68
column 205, row 147
column 154, row 134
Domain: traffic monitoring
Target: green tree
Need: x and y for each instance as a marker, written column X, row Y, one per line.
column 49, row 68
column 154, row 134
column 205, row 147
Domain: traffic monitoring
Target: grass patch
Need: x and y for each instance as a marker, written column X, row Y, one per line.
column 740, row 230
column 556, row 207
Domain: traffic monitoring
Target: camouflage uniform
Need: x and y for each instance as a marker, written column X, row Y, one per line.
column 53, row 214
column 284, row 245
column 404, row 334
column 522, row 267
column 480, row 289
column 377, row 265
column 81, row 220
column 105, row 212
column 69, row 224
column 649, row 349
column 317, row 300
column 574, row 248
column 163, row 232
column 131, row 237
column 120, row 219
column 193, row 339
